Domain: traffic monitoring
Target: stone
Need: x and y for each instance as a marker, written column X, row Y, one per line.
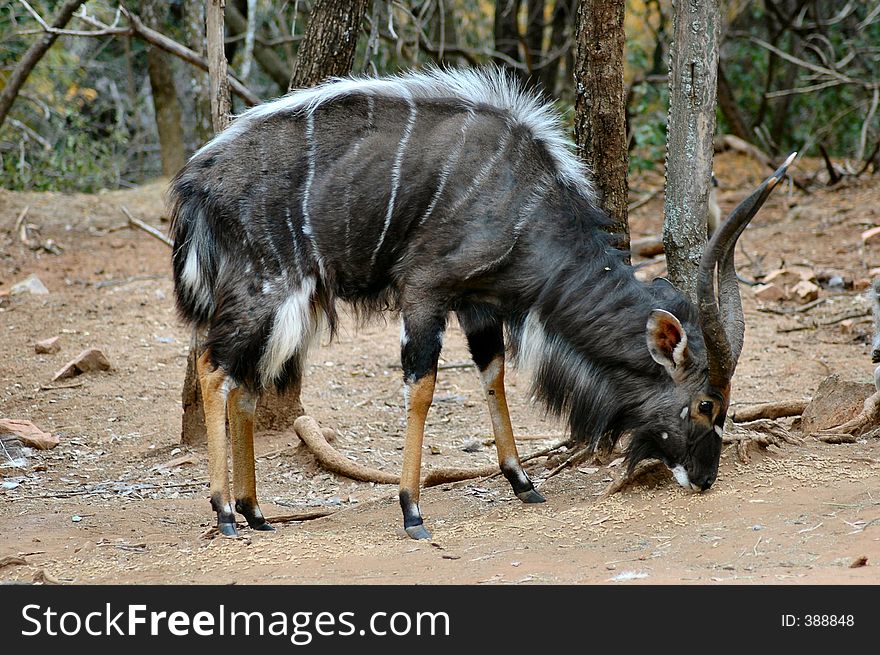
column 48, row 346
column 90, row 359
column 28, row 433
column 805, row 292
column 790, row 275
column 32, row 285
column 770, row 293
column 835, row 402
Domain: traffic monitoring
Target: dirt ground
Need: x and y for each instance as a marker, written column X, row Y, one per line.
column 120, row 500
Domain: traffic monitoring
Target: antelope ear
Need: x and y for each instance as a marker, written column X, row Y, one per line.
column 667, row 342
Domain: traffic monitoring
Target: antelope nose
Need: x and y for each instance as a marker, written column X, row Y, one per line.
column 706, row 485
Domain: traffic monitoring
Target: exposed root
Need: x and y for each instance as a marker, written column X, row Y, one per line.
column 865, row 422
column 330, row 459
column 768, row 411
column 756, row 435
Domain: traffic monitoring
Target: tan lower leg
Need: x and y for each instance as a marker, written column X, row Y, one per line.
column 421, row 393
column 492, row 379
column 496, row 398
column 213, row 384
column 242, row 406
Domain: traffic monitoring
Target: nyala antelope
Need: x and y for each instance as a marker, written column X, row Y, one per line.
column 435, row 193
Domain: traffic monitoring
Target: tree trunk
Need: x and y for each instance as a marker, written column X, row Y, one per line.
column 534, row 38
column 692, row 94
column 194, row 34
column 600, row 120
column 193, row 423
column 270, row 62
column 219, row 82
column 507, row 29
column 730, row 109
column 165, row 102
column 32, row 57
column 562, row 12
column 327, row 50
column 330, row 41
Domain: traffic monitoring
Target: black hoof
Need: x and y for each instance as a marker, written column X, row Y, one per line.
column 531, row 496
column 262, row 527
column 418, row 532
column 227, row 529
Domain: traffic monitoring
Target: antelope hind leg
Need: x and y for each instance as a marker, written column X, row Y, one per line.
column 214, row 383
column 241, row 407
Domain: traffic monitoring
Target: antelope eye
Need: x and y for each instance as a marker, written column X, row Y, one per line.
column 705, row 407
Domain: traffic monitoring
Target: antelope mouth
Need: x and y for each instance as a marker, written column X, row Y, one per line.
column 681, row 476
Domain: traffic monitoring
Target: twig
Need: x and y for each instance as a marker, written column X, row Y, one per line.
column 644, row 200
column 579, row 455
column 21, row 227
column 301, row 516
column 815, row 324
column 45, row 387
column 149, row 229
column 643, row 467
column 833, row 176
column 787, row 311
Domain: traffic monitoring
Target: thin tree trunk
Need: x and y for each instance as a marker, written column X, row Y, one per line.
column 165, row 101
column 193, row 425
column 691, row 126
column 270, row 62
column 330, row 41
column 216, row 35
column 534, row 38
column 32, row 57
column 600, row 120
column 730, row 109
column 194, row 34
column 507, row 29
column 561, row 19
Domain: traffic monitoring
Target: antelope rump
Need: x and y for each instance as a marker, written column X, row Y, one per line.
column 428, row 194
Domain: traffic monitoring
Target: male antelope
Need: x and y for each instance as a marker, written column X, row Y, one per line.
column 431, row 193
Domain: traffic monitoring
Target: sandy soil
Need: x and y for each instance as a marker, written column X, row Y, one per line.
column 105, row 506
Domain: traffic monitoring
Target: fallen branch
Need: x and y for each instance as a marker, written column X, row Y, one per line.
column 647, row 246
column 149, row 229
column 768, row 411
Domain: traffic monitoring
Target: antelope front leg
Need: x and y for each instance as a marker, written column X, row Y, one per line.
column 487, row 350
column 420, row 349
column 213, row 383
column 241, row 406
